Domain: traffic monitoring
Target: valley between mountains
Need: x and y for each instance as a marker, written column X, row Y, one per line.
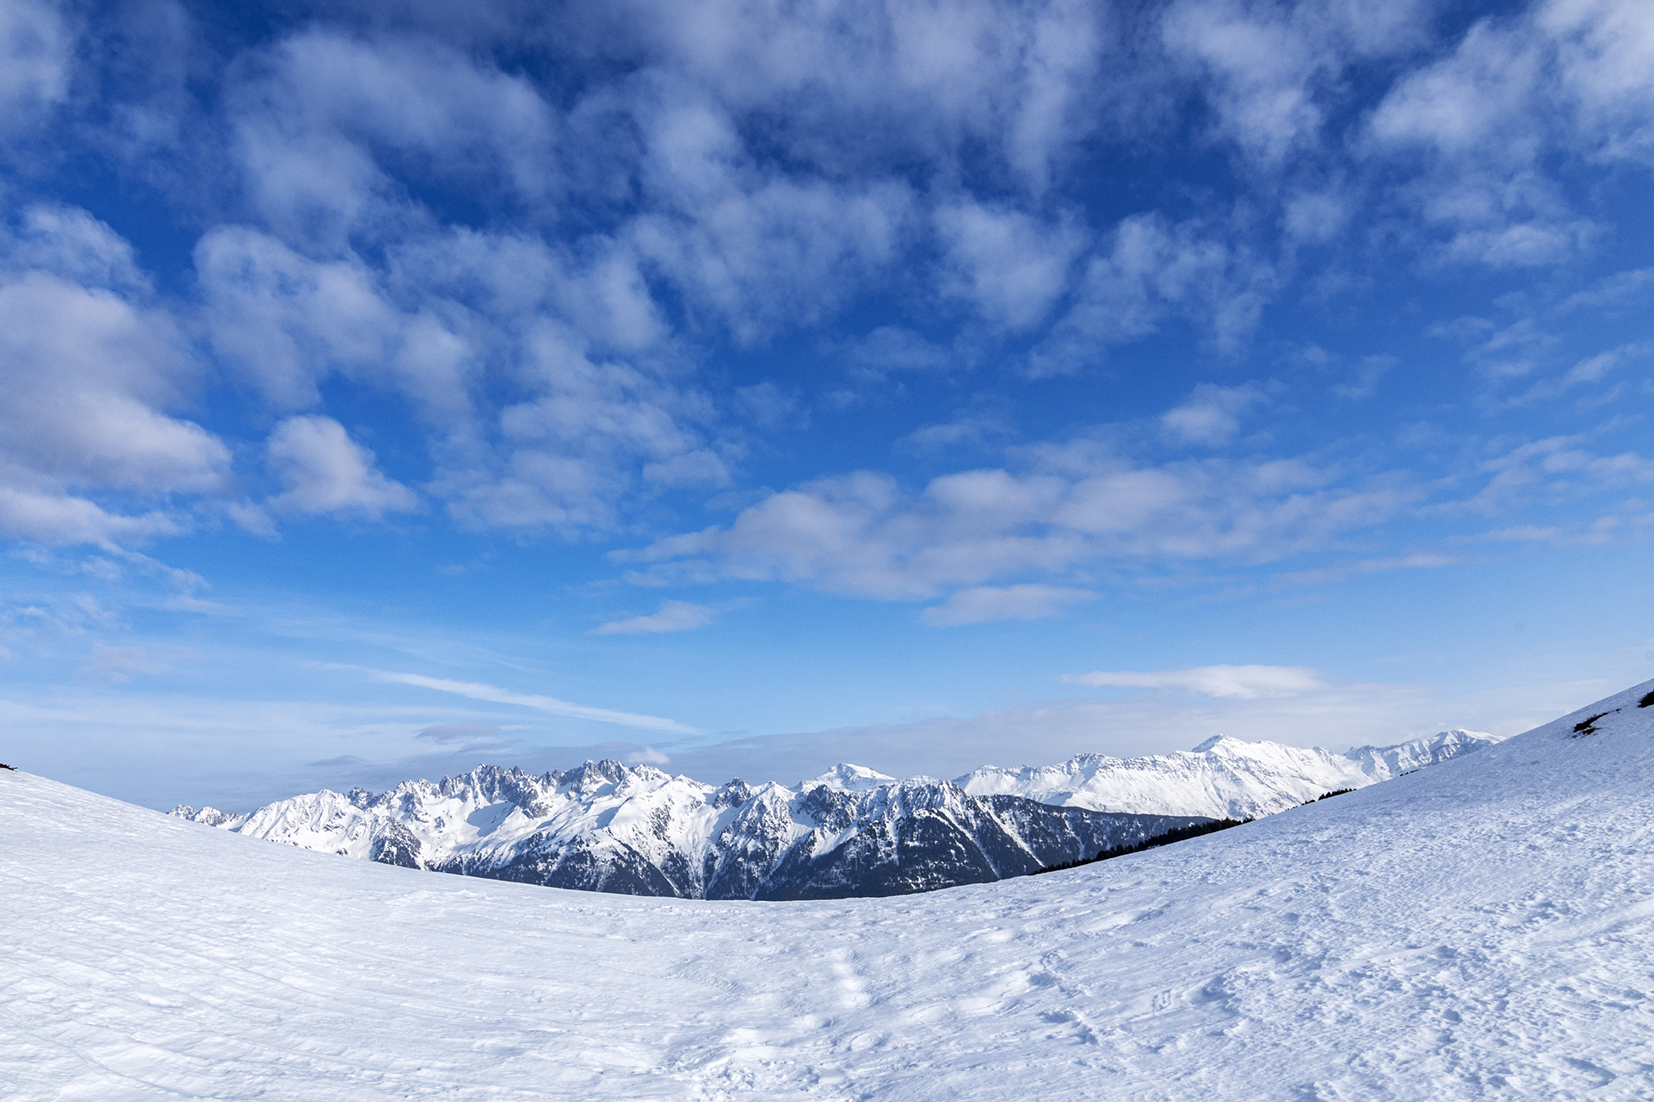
column 849, row 832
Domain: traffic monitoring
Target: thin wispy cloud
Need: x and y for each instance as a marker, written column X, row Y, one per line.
column 1241, row 682
column 673, row 616
column 547, row 704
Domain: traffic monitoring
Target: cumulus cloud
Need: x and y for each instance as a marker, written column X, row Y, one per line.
column 1262, row 68
column 981, row 604
column 96, row 369
column 891, row 81
column 322, row 111
column 1212, row 414
column 1009, row 265
column 1243, row 682
column 325, row 471
column 673, row 616
column 60, row 519
column 36, row 45
column 1492, row 120
column 541, row 271
column 1152, row 270
column 755, row 249
column 861, row 534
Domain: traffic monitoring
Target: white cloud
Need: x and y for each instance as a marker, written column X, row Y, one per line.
column 1553, row 469
column 54, row 518
column 570, row 453
column 547, row 704
column 647, row 756
column 325, row 471
column 755, row 249
column 1605, row 54
column 323, row 111
column 289, row 322
column 1008, row 265
column 981, row 604
column 890, row 348
column 1261, row 71
column 1243, row 682
column 1492, row 122
column 1212, row 414
column 860, row 534
column 966, row 430
column 1152, row 270
column 673, row 616
column 36, row 48
column 94, row 369
column 1479, row 96
column 858, row 81
column 454, row 322
column 1419, row 560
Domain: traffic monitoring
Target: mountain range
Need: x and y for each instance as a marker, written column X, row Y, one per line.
column 1222, row 778
column 637, row 830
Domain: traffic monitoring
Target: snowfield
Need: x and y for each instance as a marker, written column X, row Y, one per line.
column 1480, row 929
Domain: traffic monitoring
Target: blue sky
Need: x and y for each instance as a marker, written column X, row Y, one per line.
column 743, row 387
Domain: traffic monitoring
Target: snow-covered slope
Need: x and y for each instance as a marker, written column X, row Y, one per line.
column 1220, row 778
column 1479, row 930
column 638, row 831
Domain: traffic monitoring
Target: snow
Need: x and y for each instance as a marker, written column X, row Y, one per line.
column 1480, row 929
column 600, row 826
column 609, row 816
column 845, row 777
column 1222, row 778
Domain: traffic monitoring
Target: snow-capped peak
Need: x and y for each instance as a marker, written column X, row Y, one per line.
column 845, row 777
column 1222, row 777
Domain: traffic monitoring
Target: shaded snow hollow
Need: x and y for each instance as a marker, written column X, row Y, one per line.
column 1481, row 929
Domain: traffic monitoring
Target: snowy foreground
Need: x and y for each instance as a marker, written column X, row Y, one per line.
column 1481, row 929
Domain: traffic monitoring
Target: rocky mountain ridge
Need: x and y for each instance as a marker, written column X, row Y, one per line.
column 636, row 830
column 606, row 826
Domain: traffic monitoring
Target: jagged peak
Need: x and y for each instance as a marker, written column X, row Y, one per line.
column 733, row 794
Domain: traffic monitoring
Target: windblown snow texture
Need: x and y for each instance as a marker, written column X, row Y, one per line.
column 1482, row 929
column 637, row 831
